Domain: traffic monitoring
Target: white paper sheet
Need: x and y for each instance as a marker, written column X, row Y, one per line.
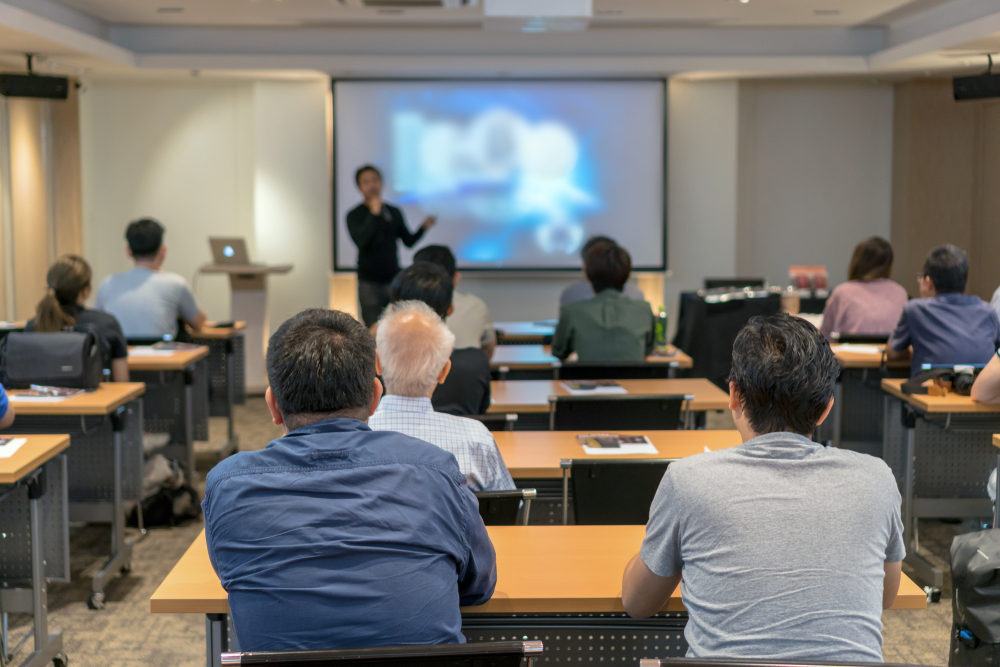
column 647, row 448
column 36, row 399
column 8, row 450
column 617, row 389
column 145, row 351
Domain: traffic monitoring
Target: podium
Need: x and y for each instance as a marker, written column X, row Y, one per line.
column 249, row 304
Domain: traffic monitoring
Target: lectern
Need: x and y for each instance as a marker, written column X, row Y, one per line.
column 249, row 304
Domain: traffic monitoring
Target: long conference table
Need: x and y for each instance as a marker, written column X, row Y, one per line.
column 557, row 584
column 539, row 358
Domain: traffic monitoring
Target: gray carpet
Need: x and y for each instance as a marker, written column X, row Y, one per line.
column 125, row 633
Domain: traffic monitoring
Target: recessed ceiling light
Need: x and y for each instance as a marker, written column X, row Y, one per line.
column 169, row 10
column 743, row 2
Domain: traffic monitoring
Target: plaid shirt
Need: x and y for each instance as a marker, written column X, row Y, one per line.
column 470, row 441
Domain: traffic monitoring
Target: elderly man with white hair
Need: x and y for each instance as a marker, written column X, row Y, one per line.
column 413, row 350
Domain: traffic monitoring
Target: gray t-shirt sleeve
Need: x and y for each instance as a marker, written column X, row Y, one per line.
column 895, row 549
column 661, row 548
column 186, row 304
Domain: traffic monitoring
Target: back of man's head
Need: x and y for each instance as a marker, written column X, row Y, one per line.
column 607, row 265
column 425, row 282
column 321, row 364
column 590, row 243
column 144, row 236
column 414, row 345
column 784, row 371
column 948, row 268
column 437, row 254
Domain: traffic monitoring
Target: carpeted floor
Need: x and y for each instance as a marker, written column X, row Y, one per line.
column 126, row 634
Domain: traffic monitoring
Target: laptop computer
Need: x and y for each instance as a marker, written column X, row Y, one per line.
column 229, row 250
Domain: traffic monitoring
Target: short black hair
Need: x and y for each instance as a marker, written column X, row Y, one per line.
column 785, row 373
column 362, row 169
column 607, row 264
column 425, row 282
column 948, row 268
column 437, row 254
column 591, row 242
column 321, row 362
column 144, row 236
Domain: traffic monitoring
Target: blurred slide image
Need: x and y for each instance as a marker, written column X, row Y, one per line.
column 520, row 174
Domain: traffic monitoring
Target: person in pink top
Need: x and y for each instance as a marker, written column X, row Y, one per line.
column 868, row 303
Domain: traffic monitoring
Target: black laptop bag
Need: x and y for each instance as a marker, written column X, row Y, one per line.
column 59, row 359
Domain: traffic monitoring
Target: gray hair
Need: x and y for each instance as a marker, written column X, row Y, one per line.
column 413, row 344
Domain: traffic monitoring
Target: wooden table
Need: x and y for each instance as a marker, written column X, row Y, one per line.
column 536, row 454
column 41, row 469
column 540, row 569
column 532, row 396
column 211, row 330
column 508, row 358
column 941, row 452
column 856, row 420
column 226, row 377
column 175, row 378
column 518, row 333
column 104, row 461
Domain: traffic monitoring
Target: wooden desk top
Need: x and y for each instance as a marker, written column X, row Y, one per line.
column 539, row 357
column 177, row 360
column 949, row 403
column 850, row 358
column 37, row 450
column 537, row 453
column 525, row 329
column 105, row 399
column 553, row 569
column 996, row 439
column 210, row 331
column 533, row 395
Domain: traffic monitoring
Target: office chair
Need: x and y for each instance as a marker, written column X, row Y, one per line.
column 861, row 339
column 611, row 492
column 752, row 662
column 500, row 508
column 486, row 654
column 603, row 412
column 612, row 370
column 738, row 283
column 496, row 421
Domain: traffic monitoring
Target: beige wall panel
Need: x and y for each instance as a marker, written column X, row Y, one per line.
column 987, row 238
column 28, row 202
column 66, row 140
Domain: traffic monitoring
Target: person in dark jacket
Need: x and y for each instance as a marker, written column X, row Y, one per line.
column 375, row 227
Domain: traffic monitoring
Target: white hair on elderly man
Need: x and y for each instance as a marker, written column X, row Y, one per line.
column 413, row 345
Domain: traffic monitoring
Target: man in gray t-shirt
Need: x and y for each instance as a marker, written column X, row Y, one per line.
column 789, row 550
column 146, row 300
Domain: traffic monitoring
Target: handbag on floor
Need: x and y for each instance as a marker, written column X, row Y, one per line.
column 975, row 581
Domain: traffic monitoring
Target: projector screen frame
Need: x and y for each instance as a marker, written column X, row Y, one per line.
column 664, row 265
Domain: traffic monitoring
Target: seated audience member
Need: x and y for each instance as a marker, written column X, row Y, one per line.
column 995, row 301
column 582, row 290
column 148, row 301
column 868, row 303
column 466, row 389
column 609, row 326
column 945, row 326
column 470, row 318
column 986, row 389
column 337, row 536
column 63, row 308
column 413, row 350
column 6, row 410
column 762, row 577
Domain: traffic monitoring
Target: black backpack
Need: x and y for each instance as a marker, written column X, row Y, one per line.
column 58, row 359
column 975, row 581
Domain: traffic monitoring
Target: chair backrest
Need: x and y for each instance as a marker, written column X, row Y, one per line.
column 739, row 283
column 612, row 370
column 752, row 662
column 862, row 339
column 485, row 654
column 500, row 508
column 496, row 421
column 612, row 492
column 604, row 412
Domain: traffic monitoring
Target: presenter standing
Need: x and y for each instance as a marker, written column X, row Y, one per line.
column 375, row 226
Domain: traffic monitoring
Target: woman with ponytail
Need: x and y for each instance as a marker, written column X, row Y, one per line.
column 61, row 309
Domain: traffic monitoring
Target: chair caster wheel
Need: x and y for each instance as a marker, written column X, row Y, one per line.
column 60, row 660
column 127, row 567
column 96, row 600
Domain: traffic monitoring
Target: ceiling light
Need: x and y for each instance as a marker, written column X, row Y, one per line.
column 743, row 2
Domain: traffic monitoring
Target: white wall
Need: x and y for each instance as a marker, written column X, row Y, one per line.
column 211, row 158
column 815, row 174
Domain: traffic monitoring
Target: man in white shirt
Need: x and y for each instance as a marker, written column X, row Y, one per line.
column 470, row 320
column 413, row 350
column 147, row 300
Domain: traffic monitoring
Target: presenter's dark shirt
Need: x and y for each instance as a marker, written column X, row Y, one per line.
column 337, row 536
column 375, row 236
column 105, row 325
column 947, row 329
column 466, row 390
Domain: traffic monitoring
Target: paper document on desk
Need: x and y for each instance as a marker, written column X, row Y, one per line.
column 148, row 351
column 9, row 446
column 603, row 444
column 591, row 387
column 857, row 349
column 44, row 394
